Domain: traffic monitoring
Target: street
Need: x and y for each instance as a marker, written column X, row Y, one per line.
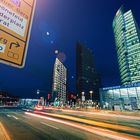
column 67, row 125
column 21, row 126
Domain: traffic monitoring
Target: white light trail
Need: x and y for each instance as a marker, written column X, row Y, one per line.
column 94, row 131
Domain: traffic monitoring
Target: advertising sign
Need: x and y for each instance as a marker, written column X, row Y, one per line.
column 15, row 24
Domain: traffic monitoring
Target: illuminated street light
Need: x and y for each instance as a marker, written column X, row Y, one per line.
column 83, row 93
column 41, row 96
column 38, row 92
column 47, row 33
column 83, row 96
column 56, row 51
column 91, row 92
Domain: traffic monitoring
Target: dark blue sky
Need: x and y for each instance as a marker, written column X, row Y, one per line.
column 57, row 25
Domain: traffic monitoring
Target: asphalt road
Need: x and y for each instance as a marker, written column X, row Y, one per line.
column 65, row 125
column 115, row 119
column 24, row 127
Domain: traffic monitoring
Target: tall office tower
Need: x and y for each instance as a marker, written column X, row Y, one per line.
column 87, row 79
column 127, row 39
column 59, row 82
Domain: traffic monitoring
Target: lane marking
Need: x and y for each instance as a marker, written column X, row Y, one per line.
column 49, row 125
column 9, row 116
column 26, row 117
column 15, row 117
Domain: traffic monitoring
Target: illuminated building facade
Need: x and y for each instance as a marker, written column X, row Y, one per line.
column 127, row 39
column 59, row 82
column 8, row 100
column 126, row 97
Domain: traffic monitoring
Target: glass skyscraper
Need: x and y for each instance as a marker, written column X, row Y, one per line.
column 127, row 39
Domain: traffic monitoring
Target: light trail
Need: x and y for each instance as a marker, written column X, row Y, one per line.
column 91, row 122
column 4, row 133
column 93, row 130
column 97, row 113
column 103, row 114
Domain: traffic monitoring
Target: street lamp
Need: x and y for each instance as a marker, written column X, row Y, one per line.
column 83, row 96
column 83, row 93
column 41, row 99
column 91, row 92
column 38, row 92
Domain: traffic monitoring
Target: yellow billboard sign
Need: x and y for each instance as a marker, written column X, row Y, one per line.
column 15, row 24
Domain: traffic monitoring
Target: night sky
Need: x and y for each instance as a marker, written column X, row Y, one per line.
column 58, row 25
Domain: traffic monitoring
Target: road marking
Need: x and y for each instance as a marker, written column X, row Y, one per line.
column 26, row 117
column 49, row 125
column 14, row 117
column 9, row 116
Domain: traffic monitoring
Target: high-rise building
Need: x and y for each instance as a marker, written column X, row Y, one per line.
column 87, row 79
column 127, row 39
column 59, row 82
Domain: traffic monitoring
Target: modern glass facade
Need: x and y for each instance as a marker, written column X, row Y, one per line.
column 59, row 82
column 121, row 97
column 127, row 39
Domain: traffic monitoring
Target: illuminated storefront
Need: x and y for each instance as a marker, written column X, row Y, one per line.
column 121, row 97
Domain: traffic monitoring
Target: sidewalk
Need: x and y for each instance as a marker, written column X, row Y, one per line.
column 3, row 133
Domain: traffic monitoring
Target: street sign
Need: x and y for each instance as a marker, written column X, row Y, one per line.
column 15, row 25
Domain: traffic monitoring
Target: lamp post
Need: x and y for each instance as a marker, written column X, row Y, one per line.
column 38, row 91
column 82, row 98
column 91, row 93
column 41, row 98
